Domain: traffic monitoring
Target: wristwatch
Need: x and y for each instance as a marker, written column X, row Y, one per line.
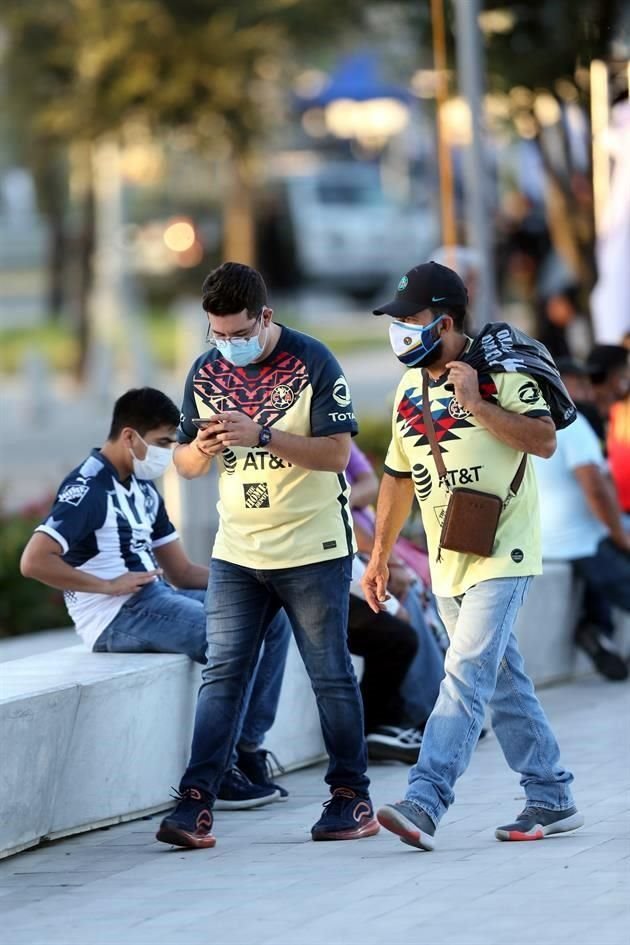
column 264, row 437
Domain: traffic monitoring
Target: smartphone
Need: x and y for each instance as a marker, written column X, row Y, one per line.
column 202, row 423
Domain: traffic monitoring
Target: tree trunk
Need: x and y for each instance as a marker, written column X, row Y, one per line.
column 56, row 264
column 239, row 243
column 84, row 259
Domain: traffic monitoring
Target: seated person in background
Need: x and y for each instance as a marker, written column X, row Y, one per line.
column 422, row 683
column 106, row 544
column 388, row 645
column 581, row 522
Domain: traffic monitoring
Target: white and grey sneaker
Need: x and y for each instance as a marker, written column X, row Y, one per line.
column 392, row 743
column 409, row 822
column 536, row 823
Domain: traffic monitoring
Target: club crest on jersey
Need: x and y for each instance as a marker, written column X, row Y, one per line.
column 282, row 397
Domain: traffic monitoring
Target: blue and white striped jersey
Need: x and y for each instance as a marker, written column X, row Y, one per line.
column 105, row 527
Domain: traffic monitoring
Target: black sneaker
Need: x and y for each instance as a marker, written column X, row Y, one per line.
column 257, row 766
column 392, row 743
column 190, row 823
column 237, row 792
column 409, row 822
column 347, row 816
column 536, row 823
column 602, row 651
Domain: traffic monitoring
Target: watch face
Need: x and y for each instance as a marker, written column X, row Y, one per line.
column 265, row 437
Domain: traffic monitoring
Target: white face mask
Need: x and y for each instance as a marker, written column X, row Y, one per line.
column 154, row 463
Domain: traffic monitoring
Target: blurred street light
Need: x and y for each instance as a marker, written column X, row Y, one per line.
column 372, row 122
column 179, row 236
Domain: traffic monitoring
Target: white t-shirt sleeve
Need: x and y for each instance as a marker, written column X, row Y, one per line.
column 579, row 444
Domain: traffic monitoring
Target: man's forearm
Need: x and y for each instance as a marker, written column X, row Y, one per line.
column 195, row 577
column 394, row 503
column 53, row 571
column 324, row 453
column 190, row 462
column 534, row 435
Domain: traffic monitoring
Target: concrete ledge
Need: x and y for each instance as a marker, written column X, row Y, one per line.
column 546, row 624
column 94, row 739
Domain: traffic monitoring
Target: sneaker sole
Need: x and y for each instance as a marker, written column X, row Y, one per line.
column 380, row 752
column 539, row 832
column 396, row 823
column 180, row 838
column 247, row 804
column 358, row 833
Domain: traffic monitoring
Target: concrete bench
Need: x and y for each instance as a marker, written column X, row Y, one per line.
column 94, row 739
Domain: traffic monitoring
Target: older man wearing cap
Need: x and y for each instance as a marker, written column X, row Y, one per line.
column 454, row 428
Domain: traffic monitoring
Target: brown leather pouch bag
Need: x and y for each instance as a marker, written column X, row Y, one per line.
column 471, row 522
column 472, row 517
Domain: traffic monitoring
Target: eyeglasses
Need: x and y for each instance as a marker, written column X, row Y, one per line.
column 211, row 338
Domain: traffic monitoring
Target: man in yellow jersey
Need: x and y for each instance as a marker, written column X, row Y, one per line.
column 280, row 420
column 483, row 425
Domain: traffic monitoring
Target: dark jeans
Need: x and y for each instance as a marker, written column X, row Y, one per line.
column 162, row 619
column 606, row 577
column 241, row 602
column 388, row 646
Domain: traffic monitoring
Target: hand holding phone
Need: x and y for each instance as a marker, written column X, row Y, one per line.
column 207, row 430
column 203, row 423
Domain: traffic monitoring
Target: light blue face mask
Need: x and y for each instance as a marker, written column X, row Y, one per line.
column 241, row 351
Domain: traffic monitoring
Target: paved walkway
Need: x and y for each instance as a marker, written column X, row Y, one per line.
column 267, row 884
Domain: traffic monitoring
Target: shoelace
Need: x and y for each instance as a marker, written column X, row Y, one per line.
column 268, row 765
column 188, row 794
column 338, row 798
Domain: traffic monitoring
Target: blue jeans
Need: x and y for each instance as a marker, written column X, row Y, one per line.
column 608, row 573
column 422, row 683
column 241, row 603
column 485, row 668
column 160, row 619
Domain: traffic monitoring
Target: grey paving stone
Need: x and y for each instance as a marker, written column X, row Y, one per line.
column 266, row 884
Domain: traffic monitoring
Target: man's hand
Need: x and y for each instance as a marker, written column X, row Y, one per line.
column 238, row 429
column 374, row 584
column 207, row 440
column 466, row 382
column 131, row 582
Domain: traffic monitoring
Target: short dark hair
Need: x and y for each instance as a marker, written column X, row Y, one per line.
column 234, row 287
column 144, row 409
column 604, row 360
column 457, row 313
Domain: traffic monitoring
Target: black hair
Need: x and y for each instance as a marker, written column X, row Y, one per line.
column 234, row 287
column 604, row 360
column 457, row 313
column 144, row 409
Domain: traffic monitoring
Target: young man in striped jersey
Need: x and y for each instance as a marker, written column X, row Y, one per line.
column 128, row 584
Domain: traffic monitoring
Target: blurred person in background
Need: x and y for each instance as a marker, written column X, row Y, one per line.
column 272, row 407
column 408, row 583
column 618, row 448
column 582, row 523
column 609, row 371
column 128, row 584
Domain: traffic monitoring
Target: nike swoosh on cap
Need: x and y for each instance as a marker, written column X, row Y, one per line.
column 441, row 298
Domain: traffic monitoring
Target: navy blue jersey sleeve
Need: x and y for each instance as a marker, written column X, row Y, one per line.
column 187, row 431
column 163, row 529
column 79, row 510
column 331, row 406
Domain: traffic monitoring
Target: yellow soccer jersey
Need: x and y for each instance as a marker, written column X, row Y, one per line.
column 273, row 514
column 473, row 458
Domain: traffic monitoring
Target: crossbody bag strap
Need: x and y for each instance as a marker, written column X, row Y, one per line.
column 429, row 427
column 515, row 485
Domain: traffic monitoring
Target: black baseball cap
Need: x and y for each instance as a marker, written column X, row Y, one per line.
column 425, row 286
column 604, row 359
